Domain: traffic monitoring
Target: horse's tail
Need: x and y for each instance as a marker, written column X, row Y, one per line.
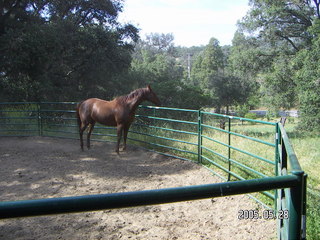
column 78, row 114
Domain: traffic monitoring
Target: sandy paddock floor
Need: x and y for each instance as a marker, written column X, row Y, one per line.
column 39, row 167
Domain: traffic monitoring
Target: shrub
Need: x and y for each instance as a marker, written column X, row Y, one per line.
column 250, row 115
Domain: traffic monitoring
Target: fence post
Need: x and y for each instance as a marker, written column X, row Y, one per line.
column 278, row 166
column 199, row 136
column 296, row 200
column 229, row 150
column 304, row 209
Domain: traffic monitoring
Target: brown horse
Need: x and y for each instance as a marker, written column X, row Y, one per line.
column 119, row 112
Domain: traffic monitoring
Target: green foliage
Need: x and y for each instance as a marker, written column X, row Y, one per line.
column 19, row 119
column 208, row 73
column 281, row 24
column 71, row 52
column 308, row 84
column 281, row 48
column 159, row 43
column 177, row 95
column 250, row 115
column 247, row 59
column 207, row 64
column 278, row 86
column 154, row 62
column 242, row 110
column 227, row 89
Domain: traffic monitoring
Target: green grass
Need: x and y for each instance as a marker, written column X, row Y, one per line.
column 18, row 120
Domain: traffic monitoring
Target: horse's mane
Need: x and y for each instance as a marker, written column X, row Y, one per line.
column 134, row 94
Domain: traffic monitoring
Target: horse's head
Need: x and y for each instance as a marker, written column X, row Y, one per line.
column 152, row 97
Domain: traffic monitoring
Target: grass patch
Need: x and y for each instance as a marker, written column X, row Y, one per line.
column 19, row 120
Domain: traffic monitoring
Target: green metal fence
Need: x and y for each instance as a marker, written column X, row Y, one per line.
column 251, row 156
column 292, row 199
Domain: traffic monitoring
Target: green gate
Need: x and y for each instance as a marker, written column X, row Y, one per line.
column 251, row 156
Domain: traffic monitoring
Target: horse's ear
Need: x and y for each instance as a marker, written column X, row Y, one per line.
column 149, row 87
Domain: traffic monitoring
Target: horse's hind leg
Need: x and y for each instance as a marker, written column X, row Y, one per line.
column 81, row 130
column 91, row 126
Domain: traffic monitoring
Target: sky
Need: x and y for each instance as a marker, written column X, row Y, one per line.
column 192, row 22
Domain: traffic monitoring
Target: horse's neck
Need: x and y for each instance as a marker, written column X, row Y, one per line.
column 134, row 103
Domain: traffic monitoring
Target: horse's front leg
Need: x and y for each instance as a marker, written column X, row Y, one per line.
column 125, row 135
column 119, row 134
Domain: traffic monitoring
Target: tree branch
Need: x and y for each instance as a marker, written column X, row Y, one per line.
column 278, row 33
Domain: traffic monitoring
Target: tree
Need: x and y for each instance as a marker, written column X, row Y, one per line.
column 80, row 12
column 282, row 24
column 227, row 90
column 278, row 87
column 160, row 43
column 247, row 59
column 248, row 62
column 208, row 63
column 73, row 46
column 210, row 74
column 156, row 62
column 307, row 78
column 279, row 31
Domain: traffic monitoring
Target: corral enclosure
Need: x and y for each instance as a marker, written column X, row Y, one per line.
column 41, row 167
column 232, row 148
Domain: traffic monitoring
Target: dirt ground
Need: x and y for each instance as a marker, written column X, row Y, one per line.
column 39, row 167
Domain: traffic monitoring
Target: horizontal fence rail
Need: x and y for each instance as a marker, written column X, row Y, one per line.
column 253, row 156
column 139, row 198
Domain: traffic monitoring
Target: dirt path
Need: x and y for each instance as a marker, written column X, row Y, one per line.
column 38, row 167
